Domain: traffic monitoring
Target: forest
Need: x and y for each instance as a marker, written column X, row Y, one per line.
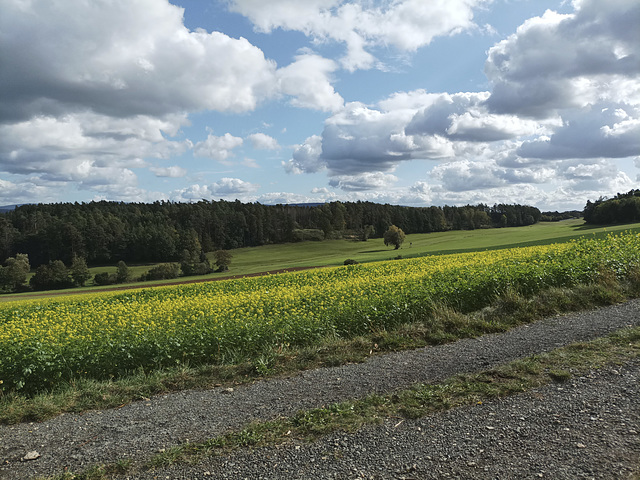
column 623, row 208
column 103, row 233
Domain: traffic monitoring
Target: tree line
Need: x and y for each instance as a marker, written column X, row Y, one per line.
column 623, row 208
column 104, row 233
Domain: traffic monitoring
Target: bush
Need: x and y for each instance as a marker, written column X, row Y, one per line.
column 53, row 276
column 351, row 261
column 162, row 272
column 104, row 278
column 313, row 234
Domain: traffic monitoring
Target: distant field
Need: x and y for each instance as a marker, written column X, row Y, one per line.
column 335, row 252
column 271, row 258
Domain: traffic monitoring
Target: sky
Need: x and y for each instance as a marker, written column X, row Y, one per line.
column 407, row 102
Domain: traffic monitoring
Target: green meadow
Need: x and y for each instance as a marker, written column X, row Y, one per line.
column 271, row 258
column 335, row 252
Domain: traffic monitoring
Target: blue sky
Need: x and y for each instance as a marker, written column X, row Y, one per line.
column 409, row 102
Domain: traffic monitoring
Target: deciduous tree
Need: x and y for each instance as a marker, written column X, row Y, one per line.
column 14, row 274
column 394, row 236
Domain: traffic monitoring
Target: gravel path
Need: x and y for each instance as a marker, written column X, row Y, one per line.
column 528, row 437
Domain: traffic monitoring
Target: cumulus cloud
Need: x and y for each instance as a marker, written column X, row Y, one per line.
column 284, row 198
column 174, row 171
column 90, row 90
column 555, row 61
column 522, row 194
column 361, row 139
column 261, row 141
column 466, row 175
column 86, row 149
column 555, row 96
column 597, row 176
column 127, row 193
column 406, row 126
column 227, row 188
column 591, row 132
column 364, row 181
column 306, row 157
column 307, row 80
column 362, row 25
column 217, row 148
column 233, row 186
column 122, row 59
column 16, row 193
column 463, row 116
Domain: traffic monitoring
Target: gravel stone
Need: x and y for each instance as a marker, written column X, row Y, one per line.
column 586, row 428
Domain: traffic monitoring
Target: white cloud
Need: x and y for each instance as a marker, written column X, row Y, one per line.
column 283, row 198
column 364, row 181
column 307, row 81
column 549, row 102
column 306, row 157
column 466, row 175
column 86, row 150
column 226, row 188
column 463, row 116
column 600, row 176
column 122, row 59
column 359, row 139
column 591, row 132
column 261, row 141
column 556, row 62
column 174, row 171
column 127, row 193
column 217, row 148
column 407, row 126
column 25, row 192
column 90, row 90
column 233, row 186
column 363, row 25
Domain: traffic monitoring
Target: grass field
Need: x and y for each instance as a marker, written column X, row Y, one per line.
column 335, row 252
column 269, row 258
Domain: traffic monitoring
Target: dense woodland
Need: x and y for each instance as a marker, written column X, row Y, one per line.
column 623, row 208
column 103, row 233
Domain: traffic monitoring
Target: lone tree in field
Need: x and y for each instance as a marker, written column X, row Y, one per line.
column 394, row 236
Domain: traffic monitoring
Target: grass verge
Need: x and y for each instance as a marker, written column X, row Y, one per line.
column 421, row 400
column 445, row 325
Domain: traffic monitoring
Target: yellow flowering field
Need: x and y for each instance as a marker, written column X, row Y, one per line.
column 105, row 335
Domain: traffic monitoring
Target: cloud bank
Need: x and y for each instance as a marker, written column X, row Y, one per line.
column 95, row 97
